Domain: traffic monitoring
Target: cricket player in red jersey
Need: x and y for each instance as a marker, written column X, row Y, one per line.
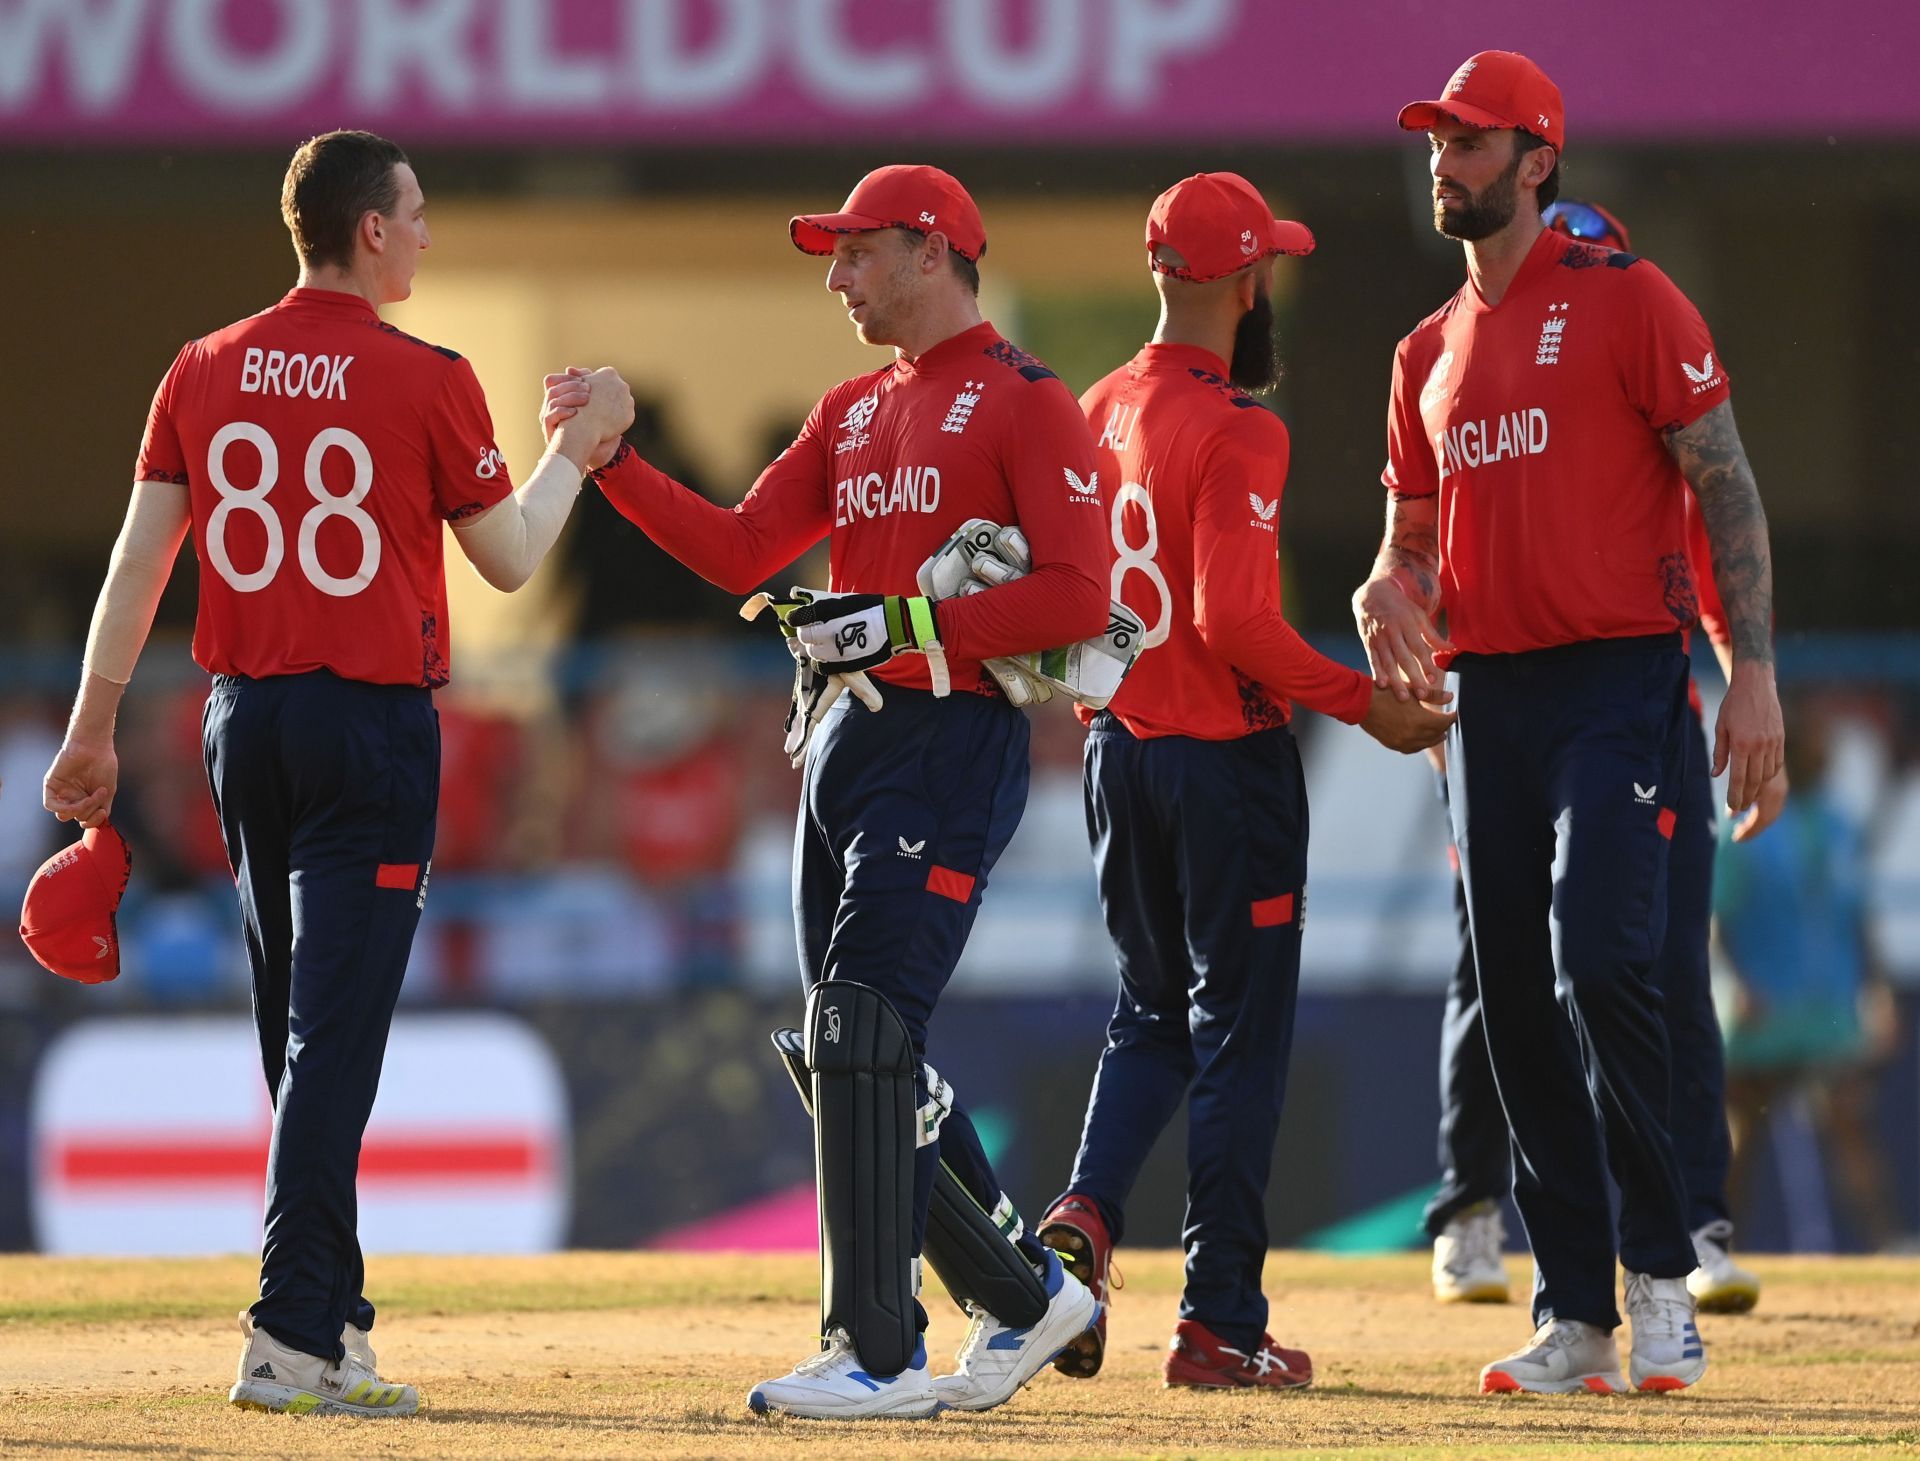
column 1544, row 427
column 1463, row 1218
column 905, row 805
column 1195, row 799
column 314, row 452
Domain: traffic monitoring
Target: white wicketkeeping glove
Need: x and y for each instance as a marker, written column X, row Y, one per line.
column 984, row 555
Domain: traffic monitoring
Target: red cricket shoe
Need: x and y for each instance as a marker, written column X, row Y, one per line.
column 1196, row 1357
column 1074, row 1229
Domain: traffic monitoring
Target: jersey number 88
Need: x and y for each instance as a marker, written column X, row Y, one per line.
column 254, row 500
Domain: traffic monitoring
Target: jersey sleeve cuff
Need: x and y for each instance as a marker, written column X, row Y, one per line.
column 622, row 454
column 1699, row 406
column 1353, row 707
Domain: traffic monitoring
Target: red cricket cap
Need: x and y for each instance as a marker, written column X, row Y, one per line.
column 1219, row 223
column 1496, row 89
column 67, row 920
column 904, row 195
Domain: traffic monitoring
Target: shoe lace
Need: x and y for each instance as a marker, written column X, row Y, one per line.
column 1487, row 1235
column 976, row 1333
column 1261, row 1361
column 1655, row 1308
column 1554, row 1334
column 1477, row 1238
column 839, row 1344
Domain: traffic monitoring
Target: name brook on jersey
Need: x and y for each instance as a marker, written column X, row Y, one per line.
column 276, row 373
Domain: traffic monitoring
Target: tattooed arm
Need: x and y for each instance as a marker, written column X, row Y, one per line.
column 1749, row 742
column 1394, row 608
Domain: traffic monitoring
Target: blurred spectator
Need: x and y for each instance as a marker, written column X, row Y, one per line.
column 656, row 787
column 480, row 776
column 621, row 578
column 29, row 737
column 1809, row 1013
column 658, row 792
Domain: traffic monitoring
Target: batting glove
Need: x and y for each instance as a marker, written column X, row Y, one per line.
column 815, row 690
column 847, row 632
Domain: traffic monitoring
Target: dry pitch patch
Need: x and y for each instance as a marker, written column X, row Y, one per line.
column 647, row 1354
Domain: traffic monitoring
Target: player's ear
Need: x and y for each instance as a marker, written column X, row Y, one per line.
column 373, row 231
column 933, row 254
column 1540, row 162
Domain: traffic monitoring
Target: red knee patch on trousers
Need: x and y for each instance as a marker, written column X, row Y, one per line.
column 1665, row 822
column 1273, row 912
column 396, row 875
column 949, row 884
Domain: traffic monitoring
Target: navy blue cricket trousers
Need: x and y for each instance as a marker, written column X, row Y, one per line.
column 1475, row 1160
column 1565, row 771
column 326, row 791
column 1201, row 853
column 903, row 813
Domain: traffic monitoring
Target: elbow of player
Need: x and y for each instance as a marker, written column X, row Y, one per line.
column 507, row 583
column 1090, row 605
column 506, row 577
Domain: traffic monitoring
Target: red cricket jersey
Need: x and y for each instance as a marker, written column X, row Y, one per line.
column 1539, row 422
column 1198, row 468
column 887, row 468
column 322, row 449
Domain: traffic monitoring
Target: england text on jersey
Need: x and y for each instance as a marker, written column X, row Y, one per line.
column 886, row 467
column 1540, row 423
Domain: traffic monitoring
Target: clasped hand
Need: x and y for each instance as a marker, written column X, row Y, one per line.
column 585, row 412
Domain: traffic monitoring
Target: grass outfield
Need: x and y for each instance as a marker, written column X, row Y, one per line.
column 590, row 1354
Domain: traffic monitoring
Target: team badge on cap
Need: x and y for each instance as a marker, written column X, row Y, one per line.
column 1218, row 223
column 1496, row 89
column 67, row 921
column 905, row 195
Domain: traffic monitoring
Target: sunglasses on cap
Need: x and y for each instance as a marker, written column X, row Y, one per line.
column 1585, row 221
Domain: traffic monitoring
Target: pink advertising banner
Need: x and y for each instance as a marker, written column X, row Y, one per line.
column 565, row 73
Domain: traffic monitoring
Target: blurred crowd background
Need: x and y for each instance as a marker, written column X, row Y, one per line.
column 615, row 815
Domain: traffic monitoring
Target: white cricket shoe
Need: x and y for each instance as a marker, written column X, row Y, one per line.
column 1667, row 1353
column 834, row 1385
column 1719, row 1285
column 1467, row 1266
column 995, row 1361
column 274, row 1377
column 1564, row 1357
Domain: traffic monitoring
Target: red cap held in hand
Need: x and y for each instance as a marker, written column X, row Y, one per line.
column 1496, row 89
column 67, row 920
column 905, row 195
column 1218, row 223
